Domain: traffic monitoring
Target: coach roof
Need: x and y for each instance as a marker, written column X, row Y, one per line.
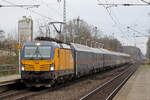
column 80, row 47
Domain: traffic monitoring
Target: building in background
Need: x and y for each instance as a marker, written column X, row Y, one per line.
column 25, row 30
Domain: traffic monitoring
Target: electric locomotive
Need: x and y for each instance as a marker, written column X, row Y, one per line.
column 44, row 62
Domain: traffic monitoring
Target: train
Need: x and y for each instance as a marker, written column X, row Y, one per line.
column 44, row 63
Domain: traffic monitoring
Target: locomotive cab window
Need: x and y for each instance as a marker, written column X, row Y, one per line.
column 37, row 52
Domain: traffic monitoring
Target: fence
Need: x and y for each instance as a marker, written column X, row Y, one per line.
column 8, row 69
column 8, row 61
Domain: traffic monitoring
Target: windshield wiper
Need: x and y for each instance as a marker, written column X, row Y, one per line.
column 41, row 56
column 37, row 53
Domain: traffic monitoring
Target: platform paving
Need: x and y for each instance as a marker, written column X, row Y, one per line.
column 9, row 79
column 137, row 87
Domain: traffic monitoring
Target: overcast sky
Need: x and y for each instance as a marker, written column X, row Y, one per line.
column 88, row 10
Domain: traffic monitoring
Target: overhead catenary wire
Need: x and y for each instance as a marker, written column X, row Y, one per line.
column 28, row 6
column 128, row 27
column 37, row 13
column 143, row 36
column 114, row 21
column 115, row 5
column 145, row 2
column 51, row 8
column 109, row 6
column 134, row 23
column 115, row 16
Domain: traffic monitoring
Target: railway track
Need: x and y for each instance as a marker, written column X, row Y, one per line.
column 26, row 94
column 109, row 89
column 12, row 90
column 12, row 93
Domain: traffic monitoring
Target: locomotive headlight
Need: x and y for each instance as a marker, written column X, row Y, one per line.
column 22, row 68
column 38, row 44
column 52, row 67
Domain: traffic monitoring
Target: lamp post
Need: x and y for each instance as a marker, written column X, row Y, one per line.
column 64, row 17
column 101, row 45
column 73, row 39
column 95, row 44
column 92, row 43
column 81, row 40
column 87, row 42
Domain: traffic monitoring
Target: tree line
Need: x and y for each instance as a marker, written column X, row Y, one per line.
column 9, row 42
column 79, row 31
column 148, row 49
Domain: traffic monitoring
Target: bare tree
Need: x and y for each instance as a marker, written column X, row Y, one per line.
column 111, row 43
column 148, row 49
column 77, row 29
column 2, row 34
column 44, row 28
column 80, row 31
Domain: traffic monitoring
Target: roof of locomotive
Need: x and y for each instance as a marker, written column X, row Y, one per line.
column 41, row 43
column 54, row 44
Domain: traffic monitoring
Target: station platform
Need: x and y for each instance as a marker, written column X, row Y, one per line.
column 9, row 79
column 137, row 87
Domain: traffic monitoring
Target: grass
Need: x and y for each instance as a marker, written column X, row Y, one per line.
column 146, row 66
column 3, row 75
column 9, row 73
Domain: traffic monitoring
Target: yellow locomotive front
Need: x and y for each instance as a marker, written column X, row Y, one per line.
column 37, row 62
column 43, row 63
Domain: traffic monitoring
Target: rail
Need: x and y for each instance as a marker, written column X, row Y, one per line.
column 28, row 94
column 96, row 93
